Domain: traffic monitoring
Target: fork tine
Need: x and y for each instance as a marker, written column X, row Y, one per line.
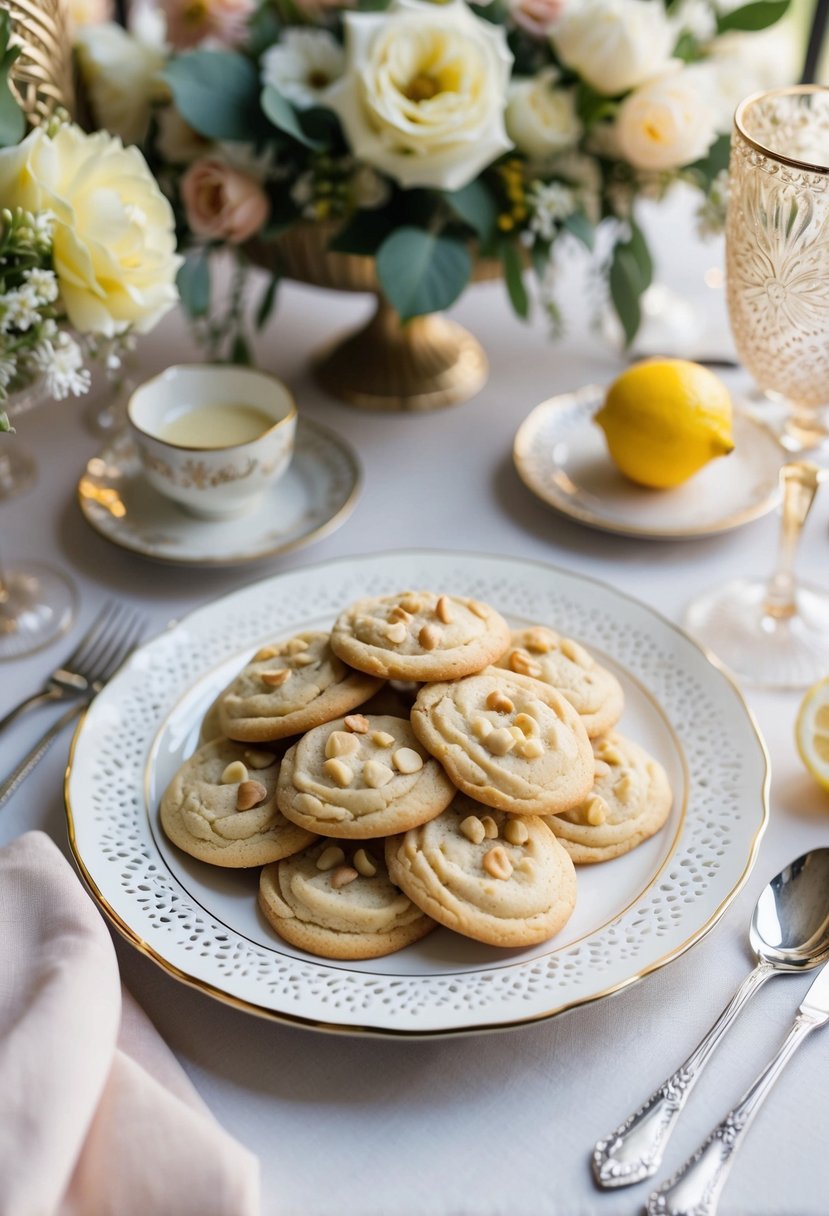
column 125, row 644
column 87, row 642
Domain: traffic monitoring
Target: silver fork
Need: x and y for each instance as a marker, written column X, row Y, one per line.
column 82, row 668
column 118, row 647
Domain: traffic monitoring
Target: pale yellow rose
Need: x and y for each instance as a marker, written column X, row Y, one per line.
column 541, row 119
column 423, row 95
column 114, row 237
column 669, row 122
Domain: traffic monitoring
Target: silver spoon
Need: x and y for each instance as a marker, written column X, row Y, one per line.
column 789, row 933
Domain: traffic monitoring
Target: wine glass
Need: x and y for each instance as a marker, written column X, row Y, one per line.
column 772, row 632
column 37, row 602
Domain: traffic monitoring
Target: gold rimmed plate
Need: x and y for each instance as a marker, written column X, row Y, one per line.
column 561, row 455
column 633, row 914
column 314, row 496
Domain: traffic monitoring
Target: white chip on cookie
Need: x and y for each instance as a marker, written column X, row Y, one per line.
column 215, row 812
column 630, row 801
column 419, row 635
column 289, row 687
column 497, row 886
column 338, row 901
column 565, row 665
column 373, row 789
column 507, row 740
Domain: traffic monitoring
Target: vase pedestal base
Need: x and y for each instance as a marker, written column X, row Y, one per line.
column 425, row 364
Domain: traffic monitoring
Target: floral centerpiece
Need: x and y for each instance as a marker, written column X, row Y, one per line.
column 87, row 246
column 428, row 135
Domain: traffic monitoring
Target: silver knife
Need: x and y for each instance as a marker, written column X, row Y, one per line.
column 695, row 1189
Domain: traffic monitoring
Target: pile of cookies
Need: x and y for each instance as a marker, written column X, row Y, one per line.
column 422, row 764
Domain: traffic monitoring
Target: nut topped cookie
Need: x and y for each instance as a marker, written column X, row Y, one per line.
column 507, row 740
column 419, row 635
column 630, row 801
column 337, row 900
column 360, row 777
column 565, row 665
column 289, row 687
column 487, row 875
column 221, row 808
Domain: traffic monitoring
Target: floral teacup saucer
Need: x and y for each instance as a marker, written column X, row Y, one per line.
column 561, row 455
column 314, row 496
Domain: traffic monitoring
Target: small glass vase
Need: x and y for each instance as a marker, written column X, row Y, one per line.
column 37, row 602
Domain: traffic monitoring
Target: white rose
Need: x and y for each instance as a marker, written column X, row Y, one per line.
column 113, row 230
column 303, row 64
column 667, row 123
column 614, row 45
column 424, row 91
column 542, row 120
column 123, row 78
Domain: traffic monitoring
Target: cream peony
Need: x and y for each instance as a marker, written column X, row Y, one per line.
column 114, row 238
column 541, row 119
column 668, row 122
column 423, row 95
column 123, row 78
column 614, row 45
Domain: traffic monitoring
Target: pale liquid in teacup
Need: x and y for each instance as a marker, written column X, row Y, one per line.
column 216, row 426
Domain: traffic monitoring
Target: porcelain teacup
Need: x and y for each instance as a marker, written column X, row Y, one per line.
column 213, row 438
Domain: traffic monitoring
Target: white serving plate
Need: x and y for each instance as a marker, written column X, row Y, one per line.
column 201, row 923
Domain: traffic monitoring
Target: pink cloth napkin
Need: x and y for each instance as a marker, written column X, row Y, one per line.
column 97, row 1117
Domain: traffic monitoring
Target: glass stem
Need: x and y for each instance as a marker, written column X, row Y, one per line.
column 799, row 481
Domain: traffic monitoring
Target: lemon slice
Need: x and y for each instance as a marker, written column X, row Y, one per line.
column 811, row 731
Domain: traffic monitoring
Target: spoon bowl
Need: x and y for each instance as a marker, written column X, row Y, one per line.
column 789, row 933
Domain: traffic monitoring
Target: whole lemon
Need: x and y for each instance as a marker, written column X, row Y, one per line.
column 664, row 419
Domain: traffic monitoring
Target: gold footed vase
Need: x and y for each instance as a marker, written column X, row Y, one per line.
column 424, row 364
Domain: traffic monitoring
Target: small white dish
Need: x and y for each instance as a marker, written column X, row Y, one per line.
column 314, row 496
column 187, row 424
column 561, row 455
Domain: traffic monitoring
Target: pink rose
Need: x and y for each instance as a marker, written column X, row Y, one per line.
column 536, row 16
column 189, row 22
column 221, row 203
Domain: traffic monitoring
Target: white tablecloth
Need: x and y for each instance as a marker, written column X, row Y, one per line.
column 499, row 1124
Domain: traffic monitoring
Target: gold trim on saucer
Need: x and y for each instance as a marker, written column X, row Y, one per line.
column 211, row 989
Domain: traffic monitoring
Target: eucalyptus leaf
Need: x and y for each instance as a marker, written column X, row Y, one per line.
column 580, row 227
column 240, row 352
column 285, row 118
column 626, row 291
column 756, row 16
column 12, row 122
column 217, row 93
column 638, row 247
column 514, row 278
column 421, row 272
column 476, row 206
column 266, row 304
column 193, row 282
column 714, row 161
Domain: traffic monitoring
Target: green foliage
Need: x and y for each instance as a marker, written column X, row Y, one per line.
column 758, row 15
column 580, row 227
column 285, row 118
column 476, row 206
column 714, row 161
column 12, row 122
column 631, row 273
column 421, row 272
column 593, row 107
column 217, row 93
column 267, row 302
column 193, row 283
column 363, row 234
column 514, row 278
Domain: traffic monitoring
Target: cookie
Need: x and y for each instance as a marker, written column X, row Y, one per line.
column 361, row 777
column 221, row 808
column 487, row 875
column 290, row 687
column 419, row 635
column 507, row 740
column 592, row 690
column 630, row 801
column 340, row 903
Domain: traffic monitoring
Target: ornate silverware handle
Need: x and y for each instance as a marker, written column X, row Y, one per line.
column 695, row 1189
column 635, row 1149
